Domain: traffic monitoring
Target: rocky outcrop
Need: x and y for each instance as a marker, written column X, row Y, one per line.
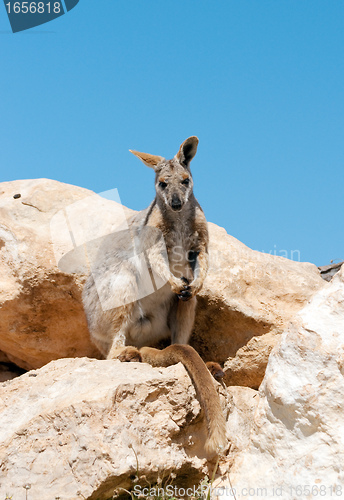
column 85, row 428
column 41, row 317
column 41, row 314
column 296, row 444
column 80, row 428
column 107, row 426
column 247, row 301
column 45, row 226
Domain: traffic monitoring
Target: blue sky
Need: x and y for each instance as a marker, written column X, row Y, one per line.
column 261, row 83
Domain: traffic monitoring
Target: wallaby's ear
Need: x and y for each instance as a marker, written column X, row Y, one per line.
column 187, row 151
column 149, row 160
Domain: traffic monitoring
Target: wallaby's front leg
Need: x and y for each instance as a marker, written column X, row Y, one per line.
column 159, row 263
column 202, row 261
column 182, row 318
column 200, row 272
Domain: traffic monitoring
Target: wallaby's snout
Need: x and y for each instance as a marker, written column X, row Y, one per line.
column 176, row 203
column 173, row 185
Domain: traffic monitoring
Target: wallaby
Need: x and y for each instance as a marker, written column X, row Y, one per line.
column 166, row 245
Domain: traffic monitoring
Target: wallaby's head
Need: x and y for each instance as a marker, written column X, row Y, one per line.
column 173, row 180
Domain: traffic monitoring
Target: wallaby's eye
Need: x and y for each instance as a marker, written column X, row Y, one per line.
column 162, row 184
column 186, row 182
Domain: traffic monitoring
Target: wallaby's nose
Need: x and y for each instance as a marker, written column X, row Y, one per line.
column 176, row 203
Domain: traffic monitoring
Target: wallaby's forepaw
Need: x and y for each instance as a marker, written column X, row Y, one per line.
column 195, row 286
column 216, row 370
column 130, row 354
column 185, row 294
column 180, row 286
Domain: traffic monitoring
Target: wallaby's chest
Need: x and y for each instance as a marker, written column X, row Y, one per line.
column 181, row 237
column 181, row 244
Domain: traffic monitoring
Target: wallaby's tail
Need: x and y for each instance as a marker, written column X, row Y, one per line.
column 204, row 384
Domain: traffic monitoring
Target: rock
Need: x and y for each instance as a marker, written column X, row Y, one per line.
column 246, row 302
column 41, row 315
column 243, row 402
column 86, row 428
column 327, row 272
column 297, row 440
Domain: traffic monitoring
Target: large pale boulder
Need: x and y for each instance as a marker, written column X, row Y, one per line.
column 41, row 314
column 247, row 300
column 297, row 438
column 242, row 402
column 81, row 428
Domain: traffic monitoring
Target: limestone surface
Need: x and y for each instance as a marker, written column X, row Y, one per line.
column 81, row 428
column 296, row 445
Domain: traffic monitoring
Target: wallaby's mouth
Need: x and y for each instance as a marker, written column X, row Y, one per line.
column 176, row 208
column 176, row 203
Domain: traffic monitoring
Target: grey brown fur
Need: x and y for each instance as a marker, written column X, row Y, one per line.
column 124, row 314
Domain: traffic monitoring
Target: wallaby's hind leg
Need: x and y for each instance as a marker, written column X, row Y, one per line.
column 181, row 320
column 125, row 354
